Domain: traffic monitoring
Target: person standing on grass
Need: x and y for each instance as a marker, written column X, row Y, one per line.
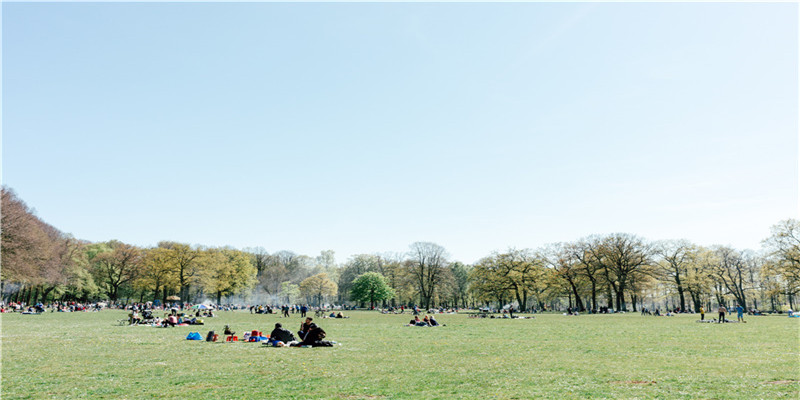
column 740, row 313
column 722, row 310
column 702, row 313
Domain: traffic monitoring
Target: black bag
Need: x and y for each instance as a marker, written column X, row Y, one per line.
column 210, row 336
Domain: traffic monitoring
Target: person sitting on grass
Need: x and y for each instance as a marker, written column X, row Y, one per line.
column 304, row 328
column 339, row 315
column 170, row 321
column 432, row 321
column 280, row 336
column 314, row 338
column 228, row 331
column 135, row 319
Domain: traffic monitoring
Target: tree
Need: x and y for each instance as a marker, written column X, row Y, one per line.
column 318, row 286
column 623, row 256
column 589, row 264
column 183, row 261
column 731, row 272
column 488, row 283
column 428, row 270
column 25, row 245
column 157, row 273
column 226, row 272
column 460, row 287
column 259, row 258
column 371, row 287
column 288, row 291
column 115, row 264
column 675, row 258
column 567, row 267
column 327, row 259
column 354, row 267
column 783, row 246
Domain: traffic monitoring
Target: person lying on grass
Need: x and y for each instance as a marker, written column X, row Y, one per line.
column 417, row 322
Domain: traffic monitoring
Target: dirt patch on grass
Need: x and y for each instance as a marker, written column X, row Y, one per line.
column 784, row 382
column 634, row 382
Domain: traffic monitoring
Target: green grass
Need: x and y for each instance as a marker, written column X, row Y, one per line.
column 82, row 355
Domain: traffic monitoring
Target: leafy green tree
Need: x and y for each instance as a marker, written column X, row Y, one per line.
column 354, row 267
column 371, row 287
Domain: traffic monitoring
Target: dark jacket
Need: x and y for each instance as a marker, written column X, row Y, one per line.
column 314, row 335
column 282, row 334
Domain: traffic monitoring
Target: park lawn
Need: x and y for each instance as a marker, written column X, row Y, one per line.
column 83, row 355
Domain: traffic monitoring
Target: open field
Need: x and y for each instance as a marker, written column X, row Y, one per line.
column 82, row 355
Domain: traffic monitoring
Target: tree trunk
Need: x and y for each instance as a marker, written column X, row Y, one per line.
column 578, row 301
column 683, row 299
column 46, row 292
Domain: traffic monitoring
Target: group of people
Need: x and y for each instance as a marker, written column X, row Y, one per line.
column 171, row 319
column 310, row 335
column 428, row 320
column 722, row 310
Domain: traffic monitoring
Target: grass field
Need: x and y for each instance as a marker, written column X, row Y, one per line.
column 82, row 355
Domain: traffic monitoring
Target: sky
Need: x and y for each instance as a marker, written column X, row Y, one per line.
column 365, row 127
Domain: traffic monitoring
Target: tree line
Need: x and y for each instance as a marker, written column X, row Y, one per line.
column 620, row 271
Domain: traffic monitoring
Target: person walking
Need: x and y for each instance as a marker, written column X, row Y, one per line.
column 702, row 313
column 722, row 310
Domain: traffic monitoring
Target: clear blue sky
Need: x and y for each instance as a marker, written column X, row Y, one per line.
column 365, row 127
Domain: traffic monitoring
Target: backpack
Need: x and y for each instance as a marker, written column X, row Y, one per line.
column 210, row 336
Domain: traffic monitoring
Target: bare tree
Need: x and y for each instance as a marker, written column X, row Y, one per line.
column 589, row 264
column 623, row 256
column 731, row 272
column 430, row 265
column 675, row 257
column 567, row 266
column 25, row 245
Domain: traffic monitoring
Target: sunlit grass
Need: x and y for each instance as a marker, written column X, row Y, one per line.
column 82, row 355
